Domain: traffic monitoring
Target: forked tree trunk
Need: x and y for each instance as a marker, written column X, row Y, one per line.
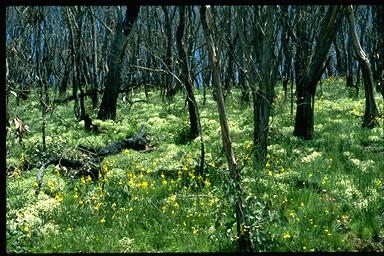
column 307, row 84
column 242, row 231
column 371, row 113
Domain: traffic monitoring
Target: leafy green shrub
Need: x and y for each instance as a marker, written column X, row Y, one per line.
column 183, row 135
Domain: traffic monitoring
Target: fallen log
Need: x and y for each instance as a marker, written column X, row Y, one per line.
column 137, row 142
column 91, row 164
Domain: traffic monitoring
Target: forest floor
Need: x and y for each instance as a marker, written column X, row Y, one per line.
column 325, row 194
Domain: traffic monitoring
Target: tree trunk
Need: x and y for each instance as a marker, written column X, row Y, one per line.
column 186, row 76
column 95, row 69
column 108, row 104
column 170, row 92
column 371, row 113
column 43, row 89
column 263, row 95
column 307, row 84
column 242, row 231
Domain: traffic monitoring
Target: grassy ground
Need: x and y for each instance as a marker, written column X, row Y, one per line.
column 320, row 195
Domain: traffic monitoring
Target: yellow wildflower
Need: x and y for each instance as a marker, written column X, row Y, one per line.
column 89, row 178
column 35, row 184
column 102, row 220
column 59, row 197
column 82, row 180
column 131, row 183
column 105, row 167
column 292, row 214
column 172, row 198
column 287, row 235
column 56, row 171
column 144, row 184
column 97, row 206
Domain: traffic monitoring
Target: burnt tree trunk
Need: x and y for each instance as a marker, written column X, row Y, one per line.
column 170, row 90
column 95, row 69
column 263, row 94
column 186, row 76
column 307, row 84
column 112, row 84
column 371, row 113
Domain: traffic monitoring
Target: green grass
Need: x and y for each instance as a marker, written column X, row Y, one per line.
column 319, row 195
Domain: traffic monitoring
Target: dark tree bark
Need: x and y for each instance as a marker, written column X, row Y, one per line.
column 108, row 104
column 307, row 84
column 229, row 76
column 170, row 90
column 74, row 57
column 286, row 45
column 349, row 77
column 214, row 61
column 379, row 53
column 95, row 69
column 64, row 81
column 186, row 76
column 302, row 46
column 262, row 96
column 43, row 86
column 371, row 113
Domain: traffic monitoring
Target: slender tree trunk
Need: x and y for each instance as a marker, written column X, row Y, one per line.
column 43, row 88
column 371, row 113
column 95, row 84
column 186, row 76
column 168, row 59
column 242, row 230
column 307, row 84
column 75, row 64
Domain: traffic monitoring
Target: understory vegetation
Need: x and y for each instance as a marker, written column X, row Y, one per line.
column 324, row 194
